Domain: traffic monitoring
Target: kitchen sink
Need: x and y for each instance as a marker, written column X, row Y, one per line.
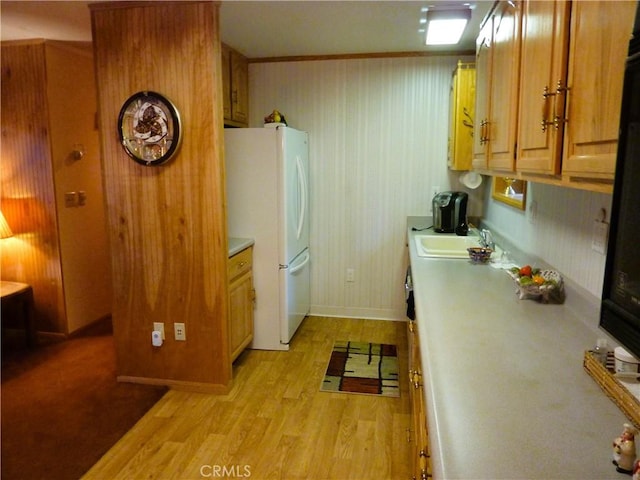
column 445, row 246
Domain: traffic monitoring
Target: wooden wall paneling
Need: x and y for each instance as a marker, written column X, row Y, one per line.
column 167, row 223
column 378, row 143
column 28, row 198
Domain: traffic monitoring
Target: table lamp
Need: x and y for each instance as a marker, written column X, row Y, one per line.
column 5, row 230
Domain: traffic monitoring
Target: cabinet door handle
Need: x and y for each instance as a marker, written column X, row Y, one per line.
column 557, row 120
column 546, row 93
column 561, row 90
column 415, row 379
column 484, row 129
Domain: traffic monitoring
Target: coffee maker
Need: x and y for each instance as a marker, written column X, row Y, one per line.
column 450, row 213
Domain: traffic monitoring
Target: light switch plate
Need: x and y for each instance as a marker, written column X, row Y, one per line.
column 71, row 199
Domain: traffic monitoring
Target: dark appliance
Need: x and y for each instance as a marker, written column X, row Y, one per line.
column 450, row 213
column 620, row 311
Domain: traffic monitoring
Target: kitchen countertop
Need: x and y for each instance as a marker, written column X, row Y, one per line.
column 505, row 391
column 236, row 245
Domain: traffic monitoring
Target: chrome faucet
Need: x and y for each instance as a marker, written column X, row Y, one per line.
column 486, row 239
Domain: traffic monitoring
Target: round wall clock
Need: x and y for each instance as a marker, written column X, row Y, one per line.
column 149, row 127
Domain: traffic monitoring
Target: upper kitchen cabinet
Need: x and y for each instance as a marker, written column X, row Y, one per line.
column 544, row 51
column 462, row 98
column 483, row 72
column 600, row 34
column 235, row 86
column 497, row 70
column 573, row 56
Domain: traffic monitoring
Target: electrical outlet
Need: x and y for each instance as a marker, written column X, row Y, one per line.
column 179, row 331
column 351, row 275
column 159, row 327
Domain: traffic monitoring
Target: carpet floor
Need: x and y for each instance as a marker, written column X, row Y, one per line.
column 62, row 408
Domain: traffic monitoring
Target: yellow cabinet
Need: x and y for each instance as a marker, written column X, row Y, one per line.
column 600, row 34
column 420, row 454
column 462, row 99
column 241, row 301
column 235, row 87
column 498, row 68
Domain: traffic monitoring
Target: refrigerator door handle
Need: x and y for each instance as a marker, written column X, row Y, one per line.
column 302, row 196
column 299, row 267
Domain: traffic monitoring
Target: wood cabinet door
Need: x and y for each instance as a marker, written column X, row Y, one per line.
column 226, row 81
column 483, row 73
column 241, row 301
column 462, row 114
column 420, row 437
column 505, row 65
column 543, row 67
column 600, row 33
column 240, row 313
column 239, row 88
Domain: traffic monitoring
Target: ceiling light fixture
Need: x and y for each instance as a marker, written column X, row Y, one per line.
column 446, row 26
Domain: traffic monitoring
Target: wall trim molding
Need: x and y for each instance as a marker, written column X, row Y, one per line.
column 363, row 313
column 358, row 56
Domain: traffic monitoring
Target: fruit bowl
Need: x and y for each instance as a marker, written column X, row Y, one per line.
column 546, row 286
column 479, row 254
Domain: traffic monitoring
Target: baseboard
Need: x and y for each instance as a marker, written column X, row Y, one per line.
column 364, row 313
column 45, row 338
column 102, row 323
column 197, row 387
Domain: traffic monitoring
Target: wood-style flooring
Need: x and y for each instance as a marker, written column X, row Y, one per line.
column 275, row 423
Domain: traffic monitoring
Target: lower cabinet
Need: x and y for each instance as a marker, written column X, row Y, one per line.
column 420, row 454
column 241, row 301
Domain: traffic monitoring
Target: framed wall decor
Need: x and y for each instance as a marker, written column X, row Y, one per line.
column 149, row 128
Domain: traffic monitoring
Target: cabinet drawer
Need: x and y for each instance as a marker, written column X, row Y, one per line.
column 239, row 263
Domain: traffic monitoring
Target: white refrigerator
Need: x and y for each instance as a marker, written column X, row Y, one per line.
column 267, row 171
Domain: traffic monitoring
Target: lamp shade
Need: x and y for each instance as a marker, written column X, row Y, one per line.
column 5, row 230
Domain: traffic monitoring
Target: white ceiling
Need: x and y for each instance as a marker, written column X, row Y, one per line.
column 266, row 28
